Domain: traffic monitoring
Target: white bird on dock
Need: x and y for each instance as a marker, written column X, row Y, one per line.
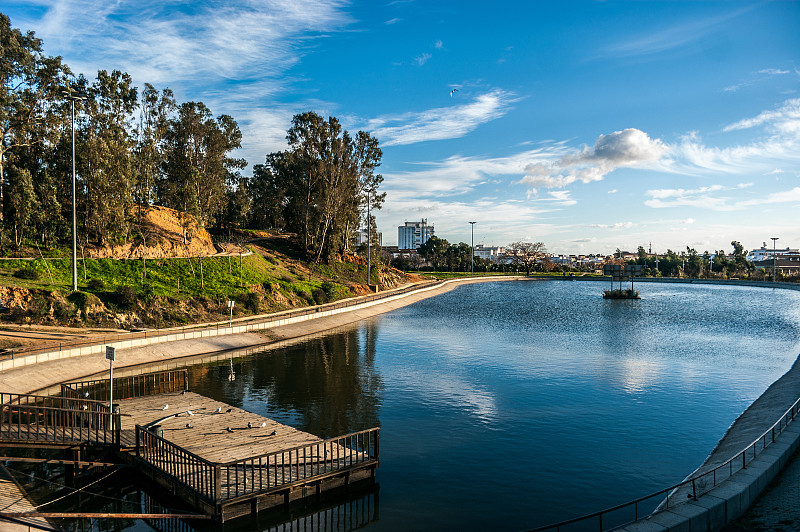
column 249, row 425
column 229, row 429
column 263, row 424
column 165, row 407
column 273, row 433
column 190, row 412
column 189, row 426
column 218, row 410
column 84, row 407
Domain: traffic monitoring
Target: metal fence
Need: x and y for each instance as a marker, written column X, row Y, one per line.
column 35, row 423
column 691, row 488
column 215, row 482
column 130, row 386
column 250, row 324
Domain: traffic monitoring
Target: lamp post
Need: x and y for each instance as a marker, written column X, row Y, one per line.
column 774, row 262
column 369, row 244
column 472, row 251
column 72, row 98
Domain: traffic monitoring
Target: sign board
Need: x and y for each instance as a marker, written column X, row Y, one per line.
column 231, row 304
column 111, row 353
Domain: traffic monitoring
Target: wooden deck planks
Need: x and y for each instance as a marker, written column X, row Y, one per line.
column 208, row 437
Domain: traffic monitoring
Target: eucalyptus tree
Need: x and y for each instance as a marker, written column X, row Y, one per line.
column 30, row 83
column 197, row 166
column 106, row 163
column 321, row 184
column 525, row 254
column 155, row 111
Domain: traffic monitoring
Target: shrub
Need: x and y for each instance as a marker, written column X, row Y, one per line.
column 27, row 273
column 319, row 296
column 95, row 285
column 330, row 290
column 126, row 296
column 250, row 301
column 79, row 299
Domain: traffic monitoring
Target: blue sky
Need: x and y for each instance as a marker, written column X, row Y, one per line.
column 589, row 126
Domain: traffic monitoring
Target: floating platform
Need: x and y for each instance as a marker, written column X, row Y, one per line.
column 221, row 460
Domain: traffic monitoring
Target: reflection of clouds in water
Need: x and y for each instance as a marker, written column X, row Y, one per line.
column 638, row 375
column 447, row 388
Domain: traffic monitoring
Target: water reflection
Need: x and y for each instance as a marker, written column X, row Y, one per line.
column 328, row 385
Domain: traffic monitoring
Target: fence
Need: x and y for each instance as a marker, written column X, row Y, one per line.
column 240, row 324
column 32, row 422
column 691, row 488
column 130, row 386
column 216, row 482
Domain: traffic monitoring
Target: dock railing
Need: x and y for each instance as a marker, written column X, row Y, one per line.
column 130, row 386
column 194, row 472
column 298, row 465
column 53, row 420
column 217, row 482
column 692, row 488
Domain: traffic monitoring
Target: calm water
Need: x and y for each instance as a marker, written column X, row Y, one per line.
column 510, row 405
column 505, row 406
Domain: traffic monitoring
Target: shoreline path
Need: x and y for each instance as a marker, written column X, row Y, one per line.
column 748, row 426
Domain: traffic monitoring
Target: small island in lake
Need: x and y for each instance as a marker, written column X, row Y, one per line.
column 621, row 294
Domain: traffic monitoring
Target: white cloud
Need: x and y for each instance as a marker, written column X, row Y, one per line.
column 612, row 191
column 392, row 21
column 784, row 119
column 438, row 45
column 422, row 59
column 441, row 123
column 773, row 71
column 618, row 225
column 704, row 198
column 630, row 147
column 776, row 171
column 687, row 221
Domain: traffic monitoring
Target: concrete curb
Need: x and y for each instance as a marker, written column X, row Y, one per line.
column 729, row 500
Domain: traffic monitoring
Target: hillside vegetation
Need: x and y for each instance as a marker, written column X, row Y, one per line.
column 133, row 290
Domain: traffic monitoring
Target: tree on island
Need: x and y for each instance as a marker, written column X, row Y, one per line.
column 525, row 254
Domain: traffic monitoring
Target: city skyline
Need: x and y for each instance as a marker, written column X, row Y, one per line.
column 589, row 126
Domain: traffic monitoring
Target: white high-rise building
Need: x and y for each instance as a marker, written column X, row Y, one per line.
column 412, row 235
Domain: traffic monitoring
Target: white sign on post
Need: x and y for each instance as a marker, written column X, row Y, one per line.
column 230, row 306
column 111, row 353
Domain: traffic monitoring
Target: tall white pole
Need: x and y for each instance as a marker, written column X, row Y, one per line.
column 74, row 214
column 774, row 257
column 472, row 251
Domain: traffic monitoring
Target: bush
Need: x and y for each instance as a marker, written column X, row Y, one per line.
column 126, row 296
column 27, row 273
column 95, row 285
column 329, row 289
column 79, row 299
column 319, row 296
column 250, row 301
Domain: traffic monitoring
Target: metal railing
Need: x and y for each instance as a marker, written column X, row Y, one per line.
column 130, row 386
column 194, row 472
column 32, row 423
column 250, row 324
column 217, row 482
column 691, row 488
column 298, row 465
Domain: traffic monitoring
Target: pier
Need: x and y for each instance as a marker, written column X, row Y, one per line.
column 223, row 461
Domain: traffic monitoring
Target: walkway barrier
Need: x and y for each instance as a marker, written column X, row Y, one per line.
column 225, row 482
column 692, row 488
column 130, row 386
column 198, row 331
column 33, row 419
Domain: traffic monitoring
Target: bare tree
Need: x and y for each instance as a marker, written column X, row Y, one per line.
column 525, row 254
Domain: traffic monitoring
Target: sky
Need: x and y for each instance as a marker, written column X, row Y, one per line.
column 590, row 126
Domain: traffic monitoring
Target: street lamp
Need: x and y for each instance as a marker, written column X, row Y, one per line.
column 472, row 254
column 774, row 239
column 369, row 242
column 73, row 98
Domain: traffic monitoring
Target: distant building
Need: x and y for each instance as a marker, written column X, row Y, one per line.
column 412, row 235
column 765, row 253
column 361, row 237
column 492, row 253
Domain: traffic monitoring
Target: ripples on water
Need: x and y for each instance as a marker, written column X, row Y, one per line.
column 510, row 405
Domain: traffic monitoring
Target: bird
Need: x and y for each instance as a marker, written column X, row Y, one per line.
column 229, row 429
column 84, row 407
column 189, row 426
column 190, row 412
column 218, row 410
column 452, row 91
column 273, row 433
column 86, row 394
column 263, row 424
column 165, row 407
column 184, row 392
column 249, row 425
column 228, row 411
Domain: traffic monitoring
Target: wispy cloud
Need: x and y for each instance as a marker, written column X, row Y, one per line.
column 785, row 119
column 442, row 122
column 763, row 74
column 706, row 198
column 422, row 58
column 672, row 37
column 630, row 147
column 618, row 225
